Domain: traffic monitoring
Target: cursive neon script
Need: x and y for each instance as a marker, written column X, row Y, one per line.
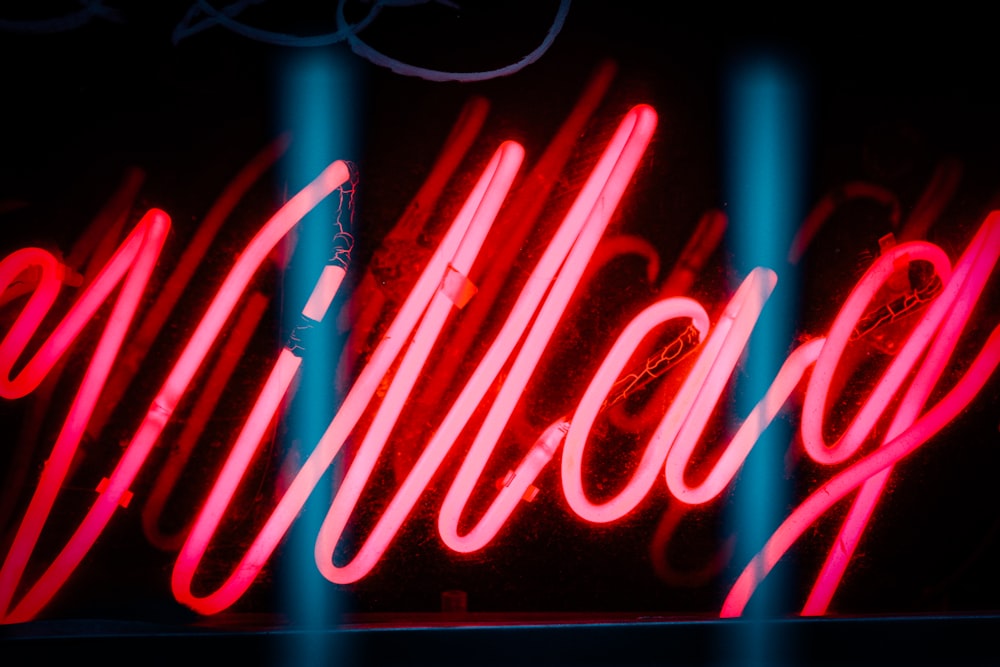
column 390, row 374
column 203, row 15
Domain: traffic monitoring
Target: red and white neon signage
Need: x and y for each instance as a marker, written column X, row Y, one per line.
column 512, row 356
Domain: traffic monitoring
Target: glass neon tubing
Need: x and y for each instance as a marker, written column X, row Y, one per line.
column 736, row 452
column 472, row 222
column 688, row 412
column 591, row 213
column 163, row 488
column 593, row 398
column 713, row 369
column 923, row 429
column 458, row 415
column 970, row 276
column 519, row 219
column 941, row 328
column 89, row 253
column 167, row 297
column 839, row 334
column 283, row 372
column 132, row 266
column 168, row 396
column 704, row 240
column 345, row 501
column 361, row 312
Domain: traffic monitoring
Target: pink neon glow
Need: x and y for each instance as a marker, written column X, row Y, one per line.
column 230, row 349
column 360, row 314
column 507, row 162
column 457, row 249
column 840, row 332
column 519, row 218
column 866, row 468
column 701, row 245
column 138, row 345
column 586, row 412
column 160, row 411
column 91, row 251
column 229, row 357
column 39, row 303
column 681, row 427
column 244, row 449
column 707, row 380
column 911, row 431
column 739, row 447
column 131, row 266
column 472, row 394
column 583, row 226
column 357, row 476
column 444, row 286
column 940, row 328
column 261, row 415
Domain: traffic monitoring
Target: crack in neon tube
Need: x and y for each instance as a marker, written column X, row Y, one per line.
column 132, row 265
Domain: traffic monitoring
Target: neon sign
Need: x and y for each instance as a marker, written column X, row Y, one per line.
column 939, row 296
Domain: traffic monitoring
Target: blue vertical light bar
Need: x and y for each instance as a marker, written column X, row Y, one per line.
column 765, row 162
column 319, row 100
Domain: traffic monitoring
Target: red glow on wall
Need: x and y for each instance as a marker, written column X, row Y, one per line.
column 941, row 306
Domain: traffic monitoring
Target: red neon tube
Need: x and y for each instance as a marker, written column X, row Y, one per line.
column 569, row 252
column 519, row 218
column 591, row 403
column 508, row 160
column 229, row 357
column 701, row 245
column 940, row 329
column 436, row 292
column 89, row 253
column 132, row 265
column 633, row 135
column 840, row 333
column 805, row 515
column 159, row 412
column 956, row 301
column 362, row 312
column 167, row 297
